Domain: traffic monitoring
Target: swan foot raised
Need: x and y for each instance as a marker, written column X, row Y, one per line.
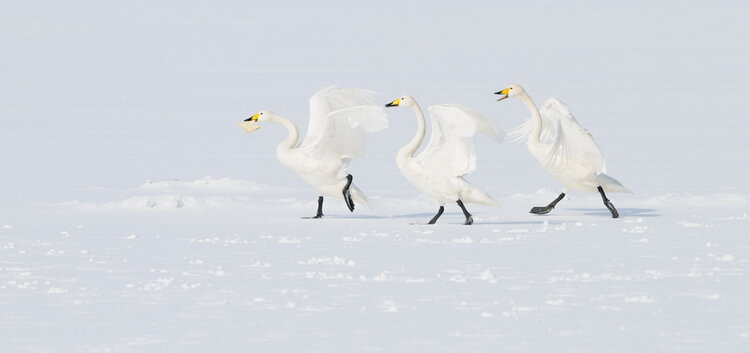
column 348, row 194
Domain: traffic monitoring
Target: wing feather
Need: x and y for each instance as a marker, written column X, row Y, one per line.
column 571, row 141
column 450, row 150
column 340, row 118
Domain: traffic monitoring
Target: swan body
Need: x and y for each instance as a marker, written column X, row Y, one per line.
column 564, row 148
column 439, row 169
column 340, row 118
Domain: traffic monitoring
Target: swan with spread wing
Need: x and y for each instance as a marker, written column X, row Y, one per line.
column 439, row 169
column 340, row 118
column 564, row 148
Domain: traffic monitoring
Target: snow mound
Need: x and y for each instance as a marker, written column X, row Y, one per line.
column 201, row 194
column 205, row 185
column 161, row 202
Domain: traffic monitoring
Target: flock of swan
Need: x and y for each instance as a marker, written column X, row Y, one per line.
column 340, row 119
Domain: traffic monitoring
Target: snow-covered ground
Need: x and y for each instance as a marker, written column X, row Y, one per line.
column 230, row 267
column 135, row 216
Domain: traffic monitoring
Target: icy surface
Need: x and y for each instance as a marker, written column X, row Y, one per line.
column 135, row 216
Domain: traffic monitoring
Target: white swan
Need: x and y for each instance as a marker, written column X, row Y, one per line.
column 339, row 120
column 564, row 148
column 439, row 169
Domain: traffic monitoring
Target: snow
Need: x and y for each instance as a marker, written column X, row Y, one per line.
column 253, row 274
column 135, row 216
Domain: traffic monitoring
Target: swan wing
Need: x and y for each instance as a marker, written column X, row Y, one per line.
column 569, row 140
column 339, row 120
column 548, row 136
column 450, row 150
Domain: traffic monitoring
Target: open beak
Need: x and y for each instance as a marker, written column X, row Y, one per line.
column 253, row 118
column 250, row 124
column 395, row 103
column 503, row 93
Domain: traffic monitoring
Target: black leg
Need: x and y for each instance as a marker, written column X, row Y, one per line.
column 320, row 209
column 548, row 208
column 434, row 219
column 347, row 194
column 469, row 218
column 607, row 203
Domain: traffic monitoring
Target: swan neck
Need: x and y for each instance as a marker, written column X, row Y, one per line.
column 536, row 118
column 293, row 136
column 410, row 148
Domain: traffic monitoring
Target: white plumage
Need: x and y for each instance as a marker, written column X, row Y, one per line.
column 449, row 155
column 450, row 150
column 340, row 119
column 563, row 147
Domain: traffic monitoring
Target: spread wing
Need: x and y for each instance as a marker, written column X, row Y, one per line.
column 339, row 120
column 575, row 142
column 450, row 150
column 565, row 139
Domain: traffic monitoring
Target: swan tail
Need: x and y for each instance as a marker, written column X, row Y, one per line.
column 478, row 196
column 610, row 184
column 358, row 196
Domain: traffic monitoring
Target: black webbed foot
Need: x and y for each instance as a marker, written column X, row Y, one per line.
column 348, row 194
column 548, row 208
column 608, row 203
column 612, row 209
column 435, row 218
column 469, row 221
column 541, row 210
column 469, row 218
column 319, row 213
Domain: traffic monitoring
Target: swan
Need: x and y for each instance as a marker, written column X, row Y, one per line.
column 339, row 120
column 439, row 169
column 564, row 148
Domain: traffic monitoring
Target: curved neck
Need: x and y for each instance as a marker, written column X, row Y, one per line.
column 291, row 140
column 536, row 117
column 410, row 148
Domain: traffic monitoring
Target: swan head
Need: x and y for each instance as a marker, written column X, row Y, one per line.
column 406, row 101
column 251, row 124
column 512, row 91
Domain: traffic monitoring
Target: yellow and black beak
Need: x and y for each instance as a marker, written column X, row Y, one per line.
column 503, row 93
column 395, row 103
column 250, row 124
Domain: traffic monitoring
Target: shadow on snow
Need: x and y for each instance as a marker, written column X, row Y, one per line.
column 624, row 212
